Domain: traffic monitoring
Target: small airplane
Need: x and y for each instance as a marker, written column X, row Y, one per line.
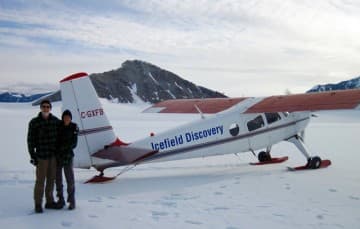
column 234, row 125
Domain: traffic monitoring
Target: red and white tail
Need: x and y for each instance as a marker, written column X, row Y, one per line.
column 79, row 96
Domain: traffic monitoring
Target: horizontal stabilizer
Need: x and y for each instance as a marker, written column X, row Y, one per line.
column 124, row 155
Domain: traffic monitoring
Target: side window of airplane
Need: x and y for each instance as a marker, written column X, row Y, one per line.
column 272, row 117
column 256, row 123
column 234, row 129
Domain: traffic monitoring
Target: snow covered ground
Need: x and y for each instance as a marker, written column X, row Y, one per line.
column 218, row 192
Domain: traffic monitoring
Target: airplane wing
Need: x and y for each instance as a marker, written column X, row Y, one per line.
column 332, row 100
column 188, row 106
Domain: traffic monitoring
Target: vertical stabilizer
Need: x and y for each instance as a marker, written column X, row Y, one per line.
column 79, row 96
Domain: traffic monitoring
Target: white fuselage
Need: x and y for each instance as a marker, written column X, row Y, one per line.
column 228, row 132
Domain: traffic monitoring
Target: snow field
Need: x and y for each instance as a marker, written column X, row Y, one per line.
column 216, row 192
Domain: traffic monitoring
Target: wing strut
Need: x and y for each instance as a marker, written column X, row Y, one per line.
column 200, row 112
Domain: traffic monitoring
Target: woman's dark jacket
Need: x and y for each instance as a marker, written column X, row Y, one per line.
column 67, row 141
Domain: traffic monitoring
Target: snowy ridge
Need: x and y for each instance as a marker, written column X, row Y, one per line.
column 344, row 85
column 171, row 94
column 25, row 92
column 136, row 98
column 11, row 97
column 28, row 89
column 153, row 78
column 179, row 86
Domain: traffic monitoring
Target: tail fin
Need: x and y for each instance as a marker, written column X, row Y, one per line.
column 79, row 96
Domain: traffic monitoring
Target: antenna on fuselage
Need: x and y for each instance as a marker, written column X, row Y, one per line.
column 200, row 112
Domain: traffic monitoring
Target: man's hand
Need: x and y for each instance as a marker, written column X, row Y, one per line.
column 34, row 161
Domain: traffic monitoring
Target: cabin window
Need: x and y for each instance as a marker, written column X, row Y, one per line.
column 234, row 129
column 256, row 123
column 286, row 114
column 272, row 117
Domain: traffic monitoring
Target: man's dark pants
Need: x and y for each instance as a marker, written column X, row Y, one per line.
column 45, row 172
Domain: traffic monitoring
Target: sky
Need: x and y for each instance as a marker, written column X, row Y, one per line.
column 238, row 47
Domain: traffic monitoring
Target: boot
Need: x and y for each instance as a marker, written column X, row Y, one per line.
column 52, row 205
column 60, row 203
column 72, row 205
column 38, row 208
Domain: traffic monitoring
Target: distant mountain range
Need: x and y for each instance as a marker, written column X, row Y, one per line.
column 138, row 81
column 25, row 92
column 348, row 84
column 14, row 97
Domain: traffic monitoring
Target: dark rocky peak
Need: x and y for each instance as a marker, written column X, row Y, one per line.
column 147, row 82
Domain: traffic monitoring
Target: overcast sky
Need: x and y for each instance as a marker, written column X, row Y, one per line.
column 240, row 48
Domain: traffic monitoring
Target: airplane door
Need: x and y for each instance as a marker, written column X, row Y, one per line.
column 257, row 131
column 276, row 132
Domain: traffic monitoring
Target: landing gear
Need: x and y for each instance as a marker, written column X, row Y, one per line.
column 264, row 156
column 99, row 178
column 312, row 162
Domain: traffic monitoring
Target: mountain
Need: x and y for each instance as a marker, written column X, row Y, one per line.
column 139, row 81
column 25, row 92
column 147, row 82
column 15, row 97
column 348, row 84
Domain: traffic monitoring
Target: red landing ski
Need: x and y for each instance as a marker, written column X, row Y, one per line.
column 324, row 164
column 273, row 160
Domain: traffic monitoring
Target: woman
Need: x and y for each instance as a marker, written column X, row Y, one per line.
column 67, row 141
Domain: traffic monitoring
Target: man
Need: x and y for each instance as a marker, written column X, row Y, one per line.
column 41, row 139
column 67, row 141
